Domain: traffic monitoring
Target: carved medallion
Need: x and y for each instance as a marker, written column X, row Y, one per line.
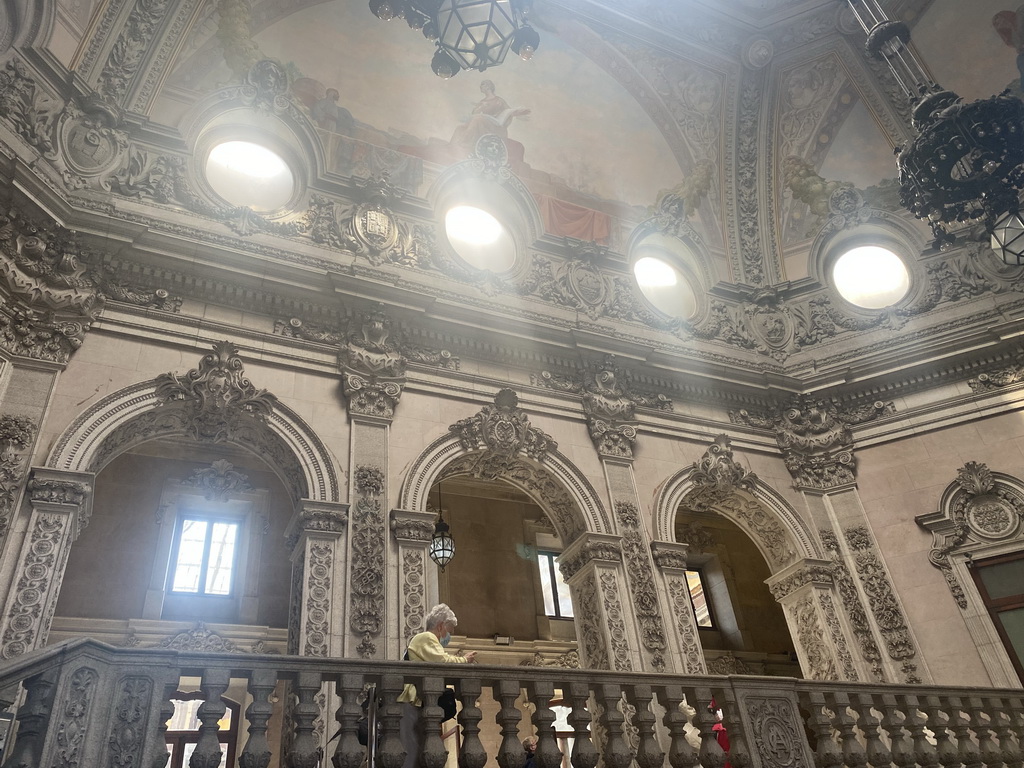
column 772, row 326
column 990, row 517
column 376, row 227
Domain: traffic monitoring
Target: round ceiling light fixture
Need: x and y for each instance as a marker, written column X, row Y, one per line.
column 249, row 174
column 871, row 277
column 479, row 238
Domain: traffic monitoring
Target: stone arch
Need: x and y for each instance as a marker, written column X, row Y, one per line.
column 780, row 534
column 172, row 405
column 557, row 486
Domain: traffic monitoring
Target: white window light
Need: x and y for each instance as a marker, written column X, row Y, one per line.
column 248, row 174
column 665, row 287
column 557, row 599
column 204, row 562
column 871, row 277
column 479, row 238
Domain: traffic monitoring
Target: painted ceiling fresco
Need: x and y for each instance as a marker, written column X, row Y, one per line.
column 582, row 143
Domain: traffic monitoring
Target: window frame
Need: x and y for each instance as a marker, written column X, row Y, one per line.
column 552, row 566
column 707, row 599
column 995, row 606
column 211, row 519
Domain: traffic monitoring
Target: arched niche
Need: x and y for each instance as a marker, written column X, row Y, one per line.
column 213, row 403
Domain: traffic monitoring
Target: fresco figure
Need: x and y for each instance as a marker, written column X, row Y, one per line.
column 1010, row 26
column 491, row 116
column 323, row 105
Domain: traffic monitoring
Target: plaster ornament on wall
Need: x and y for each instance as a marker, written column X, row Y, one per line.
column 697, row 538
column 26, row 621
column 717, row 476
column 728, row 664
column 216, row 394
column 73, row 708
column 591, row 633
column 599, row 551
column 640, row 575
column 265, row 88
column 817, row 573
column 316, row 596
column 815, row 437
column 129, row 51
column 414, row 597
column 1005, row 376
column 219, row 481
column 129, row 725
column 16, row 435
column 882, row 601
column 366, row 610
column 373, row 367
column 693, row 653
column 371, row 227
column 982, row 509
column 91, row 138
column 28, row 109
column 854, row 607
column 503, row 429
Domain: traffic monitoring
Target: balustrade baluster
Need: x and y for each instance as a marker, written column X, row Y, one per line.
column 584, row 753
column 510, row 753
column 739, row 754
column 938, row 720
column 434, row 754
column 256, row 753
column 875, row 751
column 711, row 754
column 390, row 752
column 1017, row 729
column 959, row 724
column 33, row 720
column 826, row 753
column 616, row 751
column 160, row 753
column 648, row 753
column 853, row 752
column 541, row 692
column 349, row 752
column 305, row 751
column 681, row 753
column 472, row 754
column 984, row 724
column 899, row 742
column 207, row 753
column 1007, row 725
column 924, row 753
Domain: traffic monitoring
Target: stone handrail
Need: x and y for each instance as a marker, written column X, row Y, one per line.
column 90, row 704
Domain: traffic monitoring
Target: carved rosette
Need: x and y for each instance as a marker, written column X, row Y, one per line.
column 317, row 592
column 366, row 612
column 372, row 367
column 882, row 601
column 640, row 576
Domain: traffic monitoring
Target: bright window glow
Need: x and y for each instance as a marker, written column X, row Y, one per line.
column 479, row 238
column 472, row 225
column 654, row 273
column 699, row 599
column 205, row 561
column 247, row 174
column 557, row 600
column 664, row 286
column 871, row 277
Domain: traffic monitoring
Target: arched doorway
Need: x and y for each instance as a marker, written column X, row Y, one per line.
column 182, row 535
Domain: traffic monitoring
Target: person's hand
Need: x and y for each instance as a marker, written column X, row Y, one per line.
column 471, row 657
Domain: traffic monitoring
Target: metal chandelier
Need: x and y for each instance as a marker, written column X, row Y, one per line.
column 469, row 34
column 966, row 165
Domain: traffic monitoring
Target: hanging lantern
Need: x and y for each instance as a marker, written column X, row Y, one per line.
column 442, row 545
column 1008, row 238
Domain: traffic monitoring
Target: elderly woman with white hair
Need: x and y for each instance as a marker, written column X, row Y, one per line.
column 428, row 645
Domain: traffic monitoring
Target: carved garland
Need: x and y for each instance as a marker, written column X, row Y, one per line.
column 614, row 619
column 591, row 635
column 319, row 566
column 413, row 593
column 641, row 581
column 368, row 539
column 854, row 608
column 882, row 601
column 25, row 621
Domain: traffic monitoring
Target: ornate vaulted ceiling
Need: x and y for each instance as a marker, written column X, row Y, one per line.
column 752, row 131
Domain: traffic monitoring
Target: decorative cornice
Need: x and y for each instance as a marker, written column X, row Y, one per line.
column 669, row 555
column 592, row 549
column 412, row 527
column 820, row 573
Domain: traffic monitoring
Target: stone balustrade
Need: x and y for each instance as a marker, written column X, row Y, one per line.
column 84, row 703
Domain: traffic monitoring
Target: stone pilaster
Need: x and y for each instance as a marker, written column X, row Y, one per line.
column 415, row 584
column 59, row 504
column 319, row 532
column 805, row 591
column 670, row 559
column 592, row 567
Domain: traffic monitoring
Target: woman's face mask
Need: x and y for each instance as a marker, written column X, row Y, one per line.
column 446, row 639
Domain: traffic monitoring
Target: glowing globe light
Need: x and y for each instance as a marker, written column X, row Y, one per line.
column 248, row 174
column 472, row 225
column 871, row 277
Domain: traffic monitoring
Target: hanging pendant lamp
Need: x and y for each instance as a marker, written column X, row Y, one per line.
column 442, row 545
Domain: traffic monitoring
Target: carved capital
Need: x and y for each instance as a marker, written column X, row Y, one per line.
column 44, row 489
column 588, row 549
column 818, row 573
column 412, row 527
column 670, row 555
